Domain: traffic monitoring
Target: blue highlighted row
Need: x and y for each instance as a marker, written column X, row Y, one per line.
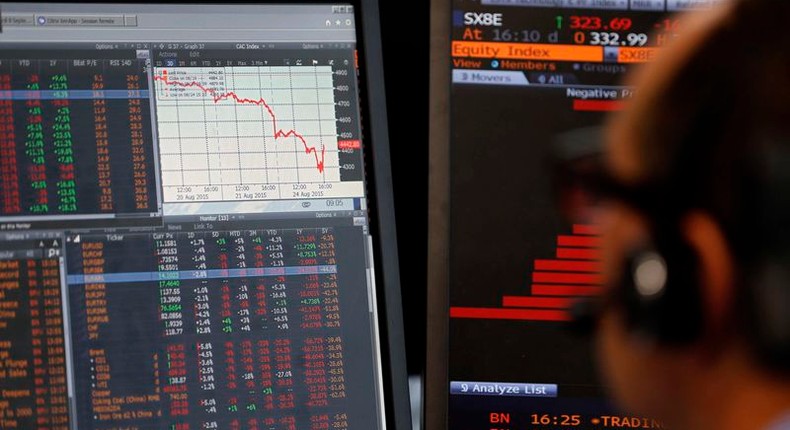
column 73, row 94
column 110, row 278
column 511, row 389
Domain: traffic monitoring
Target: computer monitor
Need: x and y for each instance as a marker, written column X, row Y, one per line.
column 196, row 224
column 517, row 84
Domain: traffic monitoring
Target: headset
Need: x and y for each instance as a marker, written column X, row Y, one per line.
column 658, row 288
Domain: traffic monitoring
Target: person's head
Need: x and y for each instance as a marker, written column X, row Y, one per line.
column 700, row 151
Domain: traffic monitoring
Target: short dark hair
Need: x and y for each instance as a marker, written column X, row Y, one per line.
column 700, row 129
column 712, row 131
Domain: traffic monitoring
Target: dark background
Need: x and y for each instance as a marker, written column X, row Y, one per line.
column 503, row 217
column 405, row 43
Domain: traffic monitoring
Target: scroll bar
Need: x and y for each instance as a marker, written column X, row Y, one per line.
column 70, row 381
column 374, row 316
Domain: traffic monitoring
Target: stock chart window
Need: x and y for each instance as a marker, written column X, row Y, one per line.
column 184, row 227
column 531, row 79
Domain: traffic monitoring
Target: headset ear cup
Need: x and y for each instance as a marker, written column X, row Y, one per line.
column 661, row 295
column 642, row 310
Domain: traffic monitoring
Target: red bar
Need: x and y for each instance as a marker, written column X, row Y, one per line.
column 568, row 266
column 537, row 302
column 591, row 230
column 510, row 314
column 578, row 254
column 580, row 241
column 349, row 144
column 597, row 105
column 566, row 278
column 566, row 290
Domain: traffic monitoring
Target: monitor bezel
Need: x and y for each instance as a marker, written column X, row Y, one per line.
column 438, row 318
column 397, row 401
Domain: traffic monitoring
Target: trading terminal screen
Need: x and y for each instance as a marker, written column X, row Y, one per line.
column 184, row 230
column 531, row 78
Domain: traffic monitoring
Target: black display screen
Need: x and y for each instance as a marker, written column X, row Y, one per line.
column 530, row 80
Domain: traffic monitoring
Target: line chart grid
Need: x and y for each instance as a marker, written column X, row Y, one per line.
column 248, row 133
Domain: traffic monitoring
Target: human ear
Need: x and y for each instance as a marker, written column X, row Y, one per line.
column 716, row 272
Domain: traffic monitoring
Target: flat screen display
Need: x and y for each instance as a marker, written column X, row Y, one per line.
column 185, row 229
column 530, row 79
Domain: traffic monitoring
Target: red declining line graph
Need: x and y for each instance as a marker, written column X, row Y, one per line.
column 556, row 284
column 278, row 133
